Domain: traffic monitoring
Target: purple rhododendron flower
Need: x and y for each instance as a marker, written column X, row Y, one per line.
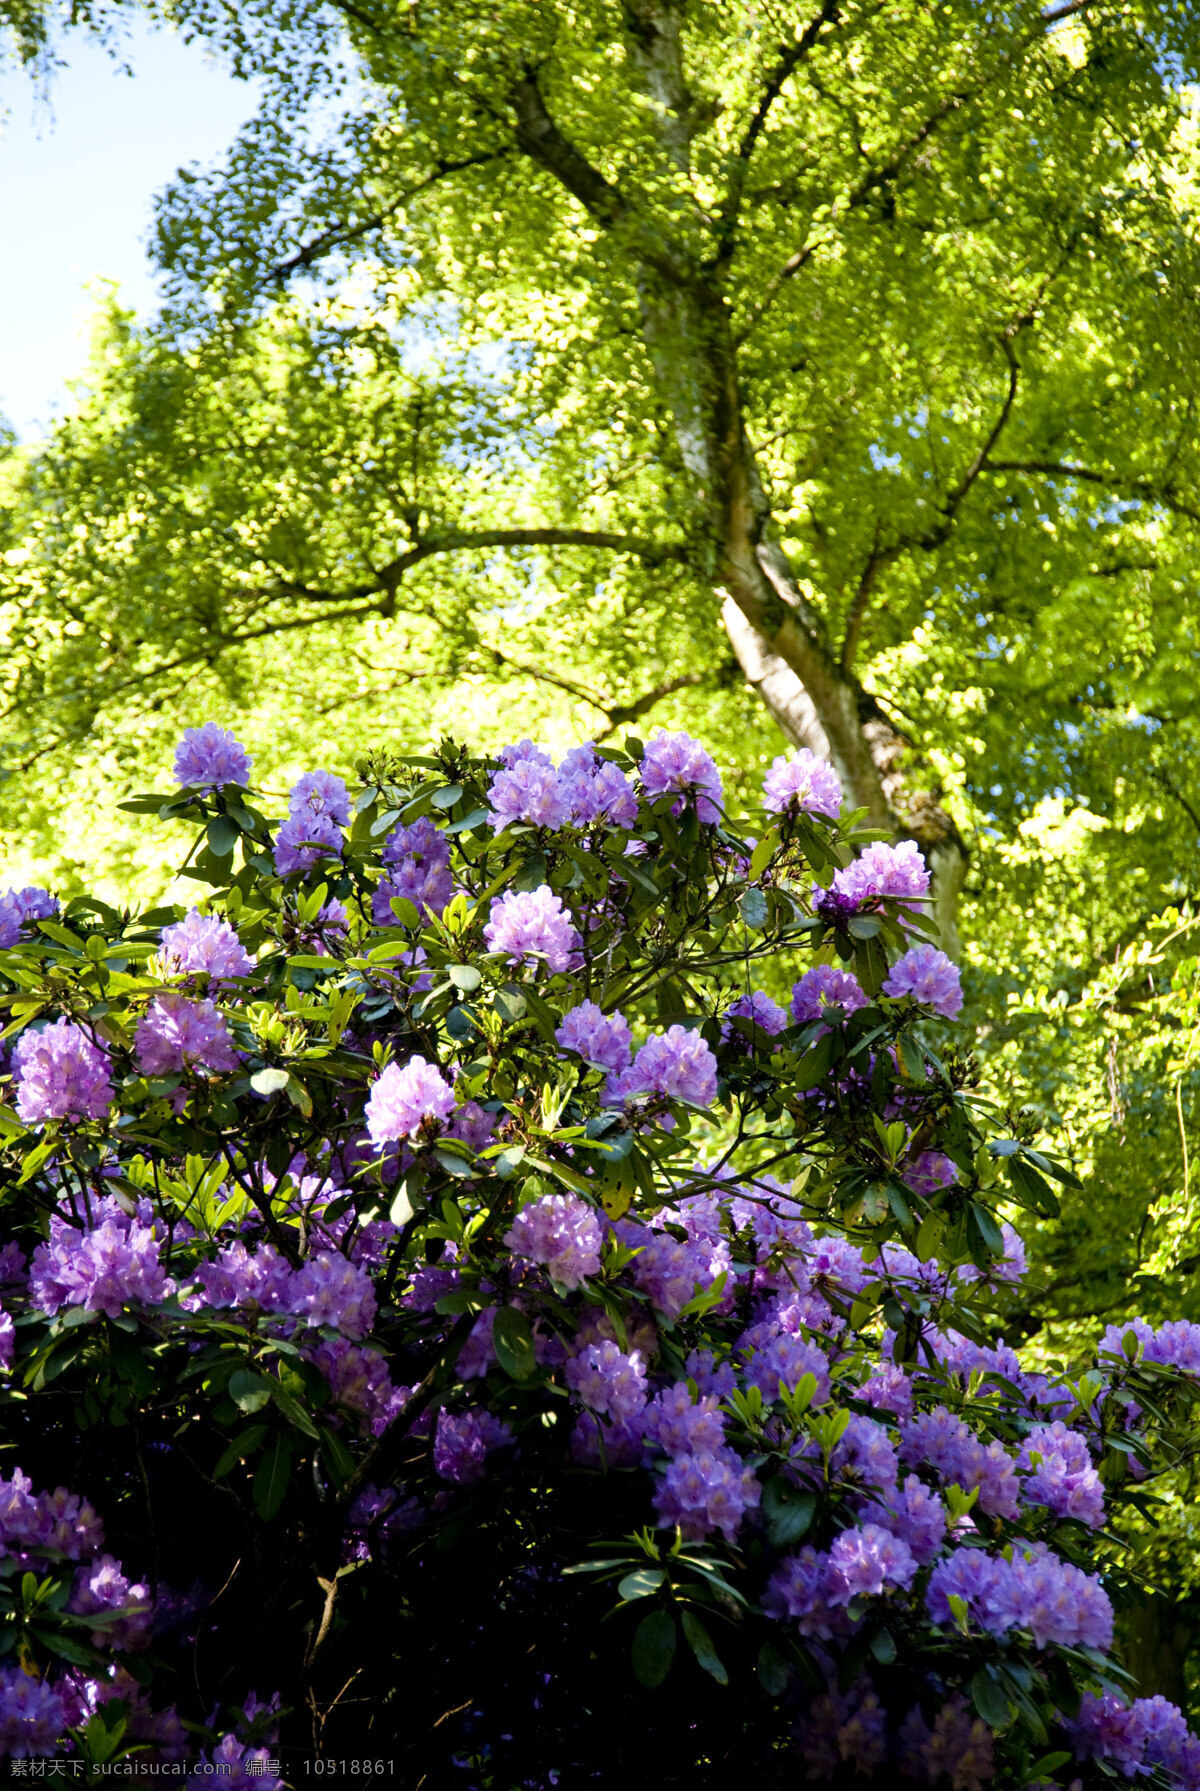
column 8, row 1339
column 463, row 1443
column 928, row 1171
column 20, row 908
column 523, row 750
column 532, row 924
column 711, row 1489
column 945, row 1442
column 1061, row 1474
column 204, row 945
column 175, row 1034
column 677, row 1064
column 59, row 1520
column 1035, row 1590
column 679, row 1425
column 101, row 1588
column 608, row 1380
column 957, row 1748
column 928, row 976
column 210, row 756
column 669, row 1272
column 882, row 873
column 305, row 839
column 320, row 793
column 328, row 1289
column 418, row 868
column 32, row 1719
column 865, row 1455
column 824, row 987
column 865, row 1562
column 594, row 789
column 528, row 791
column 803, row 782
column 1173, row 1345
column 601, row 1039
column 677, row 762
column 405, row 1098
column 113, row 1264
column 775, row 1353
column 562, row 1233
column 61, row 1074
column 915, row 1514
column 1105, row 1728
column 758, row 1007
column 850, row 1728
column 799, row 1589
column 359, row 1381
column 241, row 1277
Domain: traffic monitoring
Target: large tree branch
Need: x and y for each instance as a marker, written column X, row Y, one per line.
column 337, row 234
column 541, row 140
column 857, row 197
column 880, row 557
column 1146, row 489
column 790, row 58
column 387, row 579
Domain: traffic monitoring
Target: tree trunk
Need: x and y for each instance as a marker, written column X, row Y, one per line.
column 780, row 639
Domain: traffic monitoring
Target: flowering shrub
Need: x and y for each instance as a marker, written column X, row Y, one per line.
column 434, row 1243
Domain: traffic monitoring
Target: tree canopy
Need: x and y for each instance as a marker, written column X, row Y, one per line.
column 533, row 339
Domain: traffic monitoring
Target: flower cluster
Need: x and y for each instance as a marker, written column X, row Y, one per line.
column 562, row 1233
column 407, row 1100
column 203, row 945
column 803, row 784
column 532, row 924
column 318, row 809
column 417, row 869
column 176, row 1034
column 61, row 1073
column 21, row 909
column 442, row 1217
column 210, row 756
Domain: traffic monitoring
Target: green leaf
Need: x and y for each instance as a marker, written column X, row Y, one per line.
column 509, row 1003
column 241, row 1447
column 446, row 798
column 753, row 909
column 654, row 1648
column 763, row 853
column 271, row 1477
column 249, row 1391
column 1047, row 1766
column 788, row 1511
column 701, row 1645
column 912, row 1059
column 988, row 1229
column 336, row 1456
column 531, row 875
column 464, row 977
column 773, row 1670
column 641, row 1583
column 269, row 1081
column 406, row 913
column 453, row 1164
column 223, row 836
column 509, row 1161
column 512, row 1341
column 883, row 1647
column 989, row 1700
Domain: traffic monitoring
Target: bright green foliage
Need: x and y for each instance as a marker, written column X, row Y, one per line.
column 924, row 249
column 936, row 254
